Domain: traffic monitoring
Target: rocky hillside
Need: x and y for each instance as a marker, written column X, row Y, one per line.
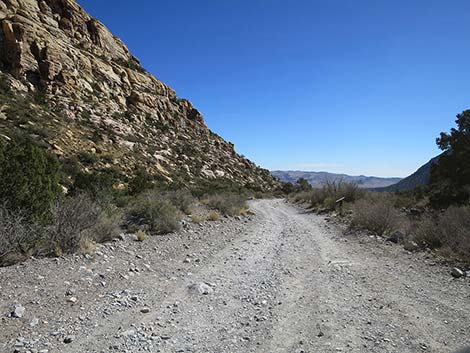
column 317, row 179
column 71, row 85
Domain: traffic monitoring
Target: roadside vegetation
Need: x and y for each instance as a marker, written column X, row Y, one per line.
column 52, row 207
column 436, row 217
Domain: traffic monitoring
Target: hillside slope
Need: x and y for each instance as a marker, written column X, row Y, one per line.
column 418, row 178
column 317, row 179
column 69, row 84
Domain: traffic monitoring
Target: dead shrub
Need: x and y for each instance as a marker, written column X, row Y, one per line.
column 18, row 237
column 448, row 231
column 78, row 220
column 376, row 214
column 73, row 217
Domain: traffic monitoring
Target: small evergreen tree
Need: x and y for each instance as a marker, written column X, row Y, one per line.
column 303, row 185
column 29, row 179
column 450, row 177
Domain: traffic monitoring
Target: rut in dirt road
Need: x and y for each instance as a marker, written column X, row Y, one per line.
column 284, row 281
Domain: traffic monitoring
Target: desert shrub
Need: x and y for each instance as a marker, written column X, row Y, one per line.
column 286, row 188
column 107, row 226
column 78, row 220
column 425, row 232
column 88, row 158
column 450, row 229
column 317, row 196
column 29, row 180
column 152, row 211
column 227, row 204
column 202, row 188
column 140, row 182
column 73, row 219
column 303, row 196
column 181, row 199
column 326, row 196
column 338, row 189
column 18, row 237
column 377, row 214
column 97, row 184
column 329, row 203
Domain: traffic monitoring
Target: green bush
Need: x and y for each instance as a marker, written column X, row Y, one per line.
column 88, row 158
column 140, row 182
column 97, row 184
column 152, row 211
column 29, row 180
column 202, row 188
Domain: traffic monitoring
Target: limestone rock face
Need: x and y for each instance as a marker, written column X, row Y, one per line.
column 102, row 101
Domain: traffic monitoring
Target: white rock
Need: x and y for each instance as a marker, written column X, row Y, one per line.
column 18, row 311
column 201, row 288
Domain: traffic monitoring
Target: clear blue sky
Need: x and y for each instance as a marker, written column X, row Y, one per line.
column 354, row 86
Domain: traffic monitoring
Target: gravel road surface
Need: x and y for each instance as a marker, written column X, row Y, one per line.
column 282, row 280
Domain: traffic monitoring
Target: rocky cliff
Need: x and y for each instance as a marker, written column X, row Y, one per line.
column 70, row 84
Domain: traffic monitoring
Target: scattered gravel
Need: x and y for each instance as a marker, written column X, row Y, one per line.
column 282, row 280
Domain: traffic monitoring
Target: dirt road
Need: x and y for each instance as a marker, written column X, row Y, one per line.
column 282, row 281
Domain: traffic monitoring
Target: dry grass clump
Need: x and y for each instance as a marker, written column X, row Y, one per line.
column 377, row 214
column 228, row 204
column 140, row 235
column 197, row 219
column 87, row 246
column 213, row 216
column 449, row 232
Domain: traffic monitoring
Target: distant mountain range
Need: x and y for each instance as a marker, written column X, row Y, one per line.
column 317, row 179
column 418, row 178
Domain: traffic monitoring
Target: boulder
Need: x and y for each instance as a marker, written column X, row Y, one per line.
column 396, row 237
column 411, row 246
column 457, row 273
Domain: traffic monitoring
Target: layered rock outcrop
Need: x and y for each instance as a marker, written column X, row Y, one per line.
column 101, row 101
